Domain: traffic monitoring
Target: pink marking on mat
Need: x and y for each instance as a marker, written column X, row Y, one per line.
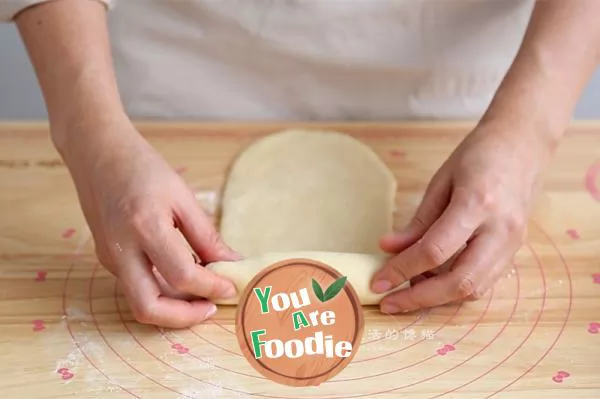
column 65, row 373
column 180, row 348
column 68, row 233
column 38, row 325
column 560, row 376
column 41, row 276
column 590, row 181
column 574, row 234
column 445, row 349
column 594, row 328
column 181, row 170
column 596, row 278
column 397, row 153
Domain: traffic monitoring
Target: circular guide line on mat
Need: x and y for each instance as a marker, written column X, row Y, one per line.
column 104, row 371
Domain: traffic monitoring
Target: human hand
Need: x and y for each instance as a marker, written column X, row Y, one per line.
column 136, row 207
column 472, row 220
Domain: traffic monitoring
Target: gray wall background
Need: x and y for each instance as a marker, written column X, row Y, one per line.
column 20, row 97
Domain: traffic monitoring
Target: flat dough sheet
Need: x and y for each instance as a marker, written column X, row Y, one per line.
column 308, row 194
column 307, row 191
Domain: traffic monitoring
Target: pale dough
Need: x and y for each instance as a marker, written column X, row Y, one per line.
column 359, row 268
column 307, row 191
column 314, row 194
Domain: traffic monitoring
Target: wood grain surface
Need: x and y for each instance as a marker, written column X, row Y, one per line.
column 66, row 332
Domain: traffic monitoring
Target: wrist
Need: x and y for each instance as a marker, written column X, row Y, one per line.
column 67, row 43
column 535, row 129
column 526, row 107
column 88, row 137
column 526, row 141
column 69, row 128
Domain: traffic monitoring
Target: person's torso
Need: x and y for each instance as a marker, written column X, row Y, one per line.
column 313, row 59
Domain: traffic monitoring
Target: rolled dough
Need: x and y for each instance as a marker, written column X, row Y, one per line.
column 319, row 195
column 359, row 268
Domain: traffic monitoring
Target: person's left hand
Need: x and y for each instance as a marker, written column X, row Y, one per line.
column 474, row 213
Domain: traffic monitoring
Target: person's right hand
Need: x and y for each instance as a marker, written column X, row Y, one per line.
column 136, row 206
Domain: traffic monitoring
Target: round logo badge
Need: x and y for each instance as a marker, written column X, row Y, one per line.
column 299, row 322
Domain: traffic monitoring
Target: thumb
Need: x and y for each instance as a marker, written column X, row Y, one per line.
column 201, row 234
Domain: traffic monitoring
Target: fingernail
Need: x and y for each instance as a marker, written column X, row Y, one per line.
column 230, row 292
column 211, row 311
column 389, row 308
column 382, row 286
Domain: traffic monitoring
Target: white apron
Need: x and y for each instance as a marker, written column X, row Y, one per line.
column 313, row 59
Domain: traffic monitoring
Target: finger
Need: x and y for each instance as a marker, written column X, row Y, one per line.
column 434, row 202
column 438, row 245
column 490, row 279
column 148, row 306
column 167, row 250
column 445, row 268
column 448, row 266
column 200, row 232
column 497, row 271
column 167, row 290
column 398, row 241
column 467, row 278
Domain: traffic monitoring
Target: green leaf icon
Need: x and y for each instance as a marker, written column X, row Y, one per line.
column 331, row 292
column 334, row 288
column 318, row 290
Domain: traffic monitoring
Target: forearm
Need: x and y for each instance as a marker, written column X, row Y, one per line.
column 558, row 56
column 68, row 45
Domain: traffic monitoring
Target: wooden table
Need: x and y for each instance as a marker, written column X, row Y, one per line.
column 65, row 331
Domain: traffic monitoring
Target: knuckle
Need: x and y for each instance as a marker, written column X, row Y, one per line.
column 130, row 205
column 396, row 268
column 465, row 286
column 418, row 221
column 181, row 280
column 414, row 302
column 484, row 199
column 139, row 215
column 141, row 220
column 434, row 253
